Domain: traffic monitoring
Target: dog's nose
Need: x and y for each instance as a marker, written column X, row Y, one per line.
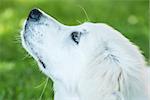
column 34, row 15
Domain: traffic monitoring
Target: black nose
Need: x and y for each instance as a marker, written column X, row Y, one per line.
column 34, row 15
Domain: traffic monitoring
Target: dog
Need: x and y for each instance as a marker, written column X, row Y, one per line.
column 91, row 61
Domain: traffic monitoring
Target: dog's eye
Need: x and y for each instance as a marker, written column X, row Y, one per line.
column 76, row 36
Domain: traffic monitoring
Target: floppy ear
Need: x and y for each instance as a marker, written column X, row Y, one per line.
column 117, row 68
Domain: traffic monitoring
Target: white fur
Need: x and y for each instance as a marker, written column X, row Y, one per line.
column 103, row 66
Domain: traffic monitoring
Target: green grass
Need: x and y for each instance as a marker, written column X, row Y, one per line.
column 20, row 76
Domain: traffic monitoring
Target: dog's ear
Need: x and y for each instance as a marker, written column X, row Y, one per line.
column 118, row 65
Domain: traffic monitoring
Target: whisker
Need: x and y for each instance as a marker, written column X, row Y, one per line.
column 26, row 56
column 46, row 82
column 38, row 86
column 17, row 36
column 79, row 21
column 83, row 9
column 17, row 39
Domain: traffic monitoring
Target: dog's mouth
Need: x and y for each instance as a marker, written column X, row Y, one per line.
column 29, row 35
column 42, row 63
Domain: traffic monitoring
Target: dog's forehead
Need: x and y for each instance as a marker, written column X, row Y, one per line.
column 91, row 26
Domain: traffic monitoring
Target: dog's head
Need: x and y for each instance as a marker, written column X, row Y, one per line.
column 59, row 49
column 63, row 50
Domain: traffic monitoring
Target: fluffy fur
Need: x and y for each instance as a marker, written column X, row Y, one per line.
column 104, row 65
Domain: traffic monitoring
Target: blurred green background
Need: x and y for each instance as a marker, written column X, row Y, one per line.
column 20, row 78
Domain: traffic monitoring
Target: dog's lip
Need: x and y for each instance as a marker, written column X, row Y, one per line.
column 42, row 63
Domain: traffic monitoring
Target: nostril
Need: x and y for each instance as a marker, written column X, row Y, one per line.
column 35, row 15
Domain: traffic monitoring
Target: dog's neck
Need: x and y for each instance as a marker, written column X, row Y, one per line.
column 66, row 86
column 64, row 92
column 115, row 84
